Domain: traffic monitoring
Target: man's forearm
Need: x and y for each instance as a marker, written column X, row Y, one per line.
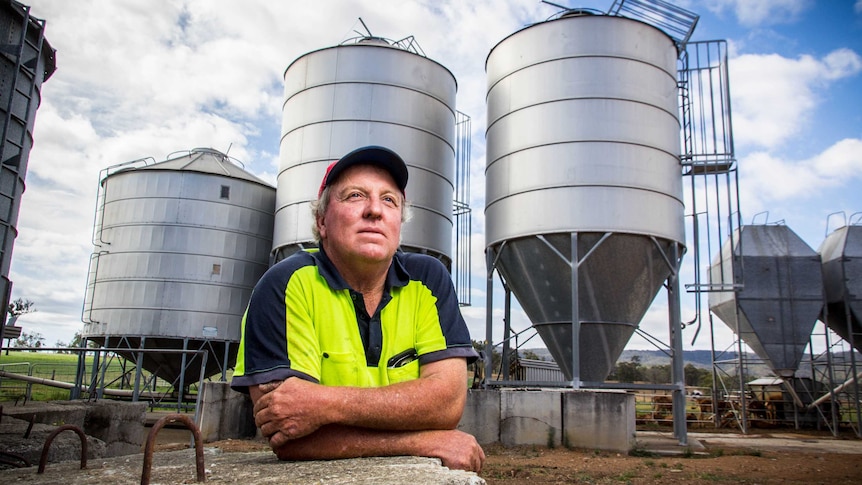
column 454, row 448
column 427, row 403
column 297, row 408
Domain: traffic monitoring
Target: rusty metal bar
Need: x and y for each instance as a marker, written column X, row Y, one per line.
column 44, row 459
column 151, row 442
column 15, row 456
column 30, row 426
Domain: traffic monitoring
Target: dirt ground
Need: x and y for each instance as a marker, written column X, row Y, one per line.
column 716, row 463
column 720, row 466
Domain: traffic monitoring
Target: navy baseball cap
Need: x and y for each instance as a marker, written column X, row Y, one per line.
column 369, row 155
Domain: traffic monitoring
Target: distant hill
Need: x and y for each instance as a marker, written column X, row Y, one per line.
column 703, row 359
column 652, row 358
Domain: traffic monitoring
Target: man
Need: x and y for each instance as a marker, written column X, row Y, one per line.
column 358, row 349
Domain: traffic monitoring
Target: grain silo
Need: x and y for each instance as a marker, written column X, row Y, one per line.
column 27, row 61
column 841, row 254
column 584, row 210
column 179, row 246
column 368, row 91
column 778, row 292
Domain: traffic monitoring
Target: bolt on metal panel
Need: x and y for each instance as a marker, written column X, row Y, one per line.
column 780, row 293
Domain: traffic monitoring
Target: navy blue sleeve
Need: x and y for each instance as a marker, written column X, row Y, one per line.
column 262, row 355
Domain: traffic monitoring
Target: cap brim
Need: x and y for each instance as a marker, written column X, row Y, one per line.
column 370, row 155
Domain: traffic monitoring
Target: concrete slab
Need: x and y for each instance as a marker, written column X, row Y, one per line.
column 255, row 467
column 664, row 444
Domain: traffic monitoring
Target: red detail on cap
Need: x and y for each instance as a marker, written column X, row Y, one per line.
column 325, row 176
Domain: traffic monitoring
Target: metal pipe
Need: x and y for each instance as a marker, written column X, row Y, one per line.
column 576, row 310
column 828, row 396
column 68, row 385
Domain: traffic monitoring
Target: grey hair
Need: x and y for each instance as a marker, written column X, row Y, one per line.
column 318, row 209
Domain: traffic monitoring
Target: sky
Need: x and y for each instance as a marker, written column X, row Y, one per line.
column 140, row 79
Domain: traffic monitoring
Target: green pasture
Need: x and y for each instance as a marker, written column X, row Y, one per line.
column 59, row 367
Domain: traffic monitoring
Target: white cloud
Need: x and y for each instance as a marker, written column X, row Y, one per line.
column 858, row 7
column 769, row 12
column 773, row 96
column 768, row 180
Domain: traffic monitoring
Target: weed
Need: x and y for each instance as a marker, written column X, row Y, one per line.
column 552, row 435
column 641, row 452
column 709, row 476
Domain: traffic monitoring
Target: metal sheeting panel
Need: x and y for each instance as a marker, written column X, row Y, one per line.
column 180, row 251
column 780, row 292
column 27, row 61
column 341, row 98
column 614, row 293
column 583, row 137
column 841, row 254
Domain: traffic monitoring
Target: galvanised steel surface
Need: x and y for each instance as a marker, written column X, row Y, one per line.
column 181, row 244
column 369, row 93
column 779, row 293
column 583, row 137
column 841, row 254
column 27, row 60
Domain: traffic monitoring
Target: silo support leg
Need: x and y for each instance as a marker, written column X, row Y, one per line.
column 677, row 366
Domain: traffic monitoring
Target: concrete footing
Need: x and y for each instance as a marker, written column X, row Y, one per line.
column 591, row 419
column 224, row 413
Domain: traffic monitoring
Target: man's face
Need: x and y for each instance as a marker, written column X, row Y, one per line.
column 362, row 222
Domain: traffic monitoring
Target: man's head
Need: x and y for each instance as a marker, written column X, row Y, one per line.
column 361, row 204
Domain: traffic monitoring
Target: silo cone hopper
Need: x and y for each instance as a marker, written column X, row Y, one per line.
column 618, row 277
column 841, row 253
column 779, row 292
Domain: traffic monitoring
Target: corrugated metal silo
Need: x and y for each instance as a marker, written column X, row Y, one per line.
column 583, row 150
column 841, row 254
column 27, row 61
column 180, row 245
column 779, row 296
column 372, row 92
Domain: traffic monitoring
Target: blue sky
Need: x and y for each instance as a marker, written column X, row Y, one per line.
column 145, row 79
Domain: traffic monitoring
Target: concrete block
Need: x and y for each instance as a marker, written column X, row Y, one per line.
column 603, row 420
column 121, row 425
column 530, row 417
column 481, row 416
column 225, row 413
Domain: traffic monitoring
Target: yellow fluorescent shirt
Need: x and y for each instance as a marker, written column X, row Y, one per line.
column 304, row 320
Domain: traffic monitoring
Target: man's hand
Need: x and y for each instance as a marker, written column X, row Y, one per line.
column 288, row 410
column 457, row 450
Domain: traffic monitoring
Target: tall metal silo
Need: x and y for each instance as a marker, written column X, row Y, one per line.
column 179, row 246
column 779, row 293
column 370, row 92
column 841, row 254
column 27, row 61
column 583, row 152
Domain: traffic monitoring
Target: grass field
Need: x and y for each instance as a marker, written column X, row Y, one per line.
column 59, row 367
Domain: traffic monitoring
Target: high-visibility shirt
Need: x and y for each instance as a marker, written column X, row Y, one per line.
column 304, row 320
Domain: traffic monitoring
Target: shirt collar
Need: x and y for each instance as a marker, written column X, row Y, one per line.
column 396, row 276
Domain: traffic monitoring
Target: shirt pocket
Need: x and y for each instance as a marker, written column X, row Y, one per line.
column 339, row 369
column 407, row 372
